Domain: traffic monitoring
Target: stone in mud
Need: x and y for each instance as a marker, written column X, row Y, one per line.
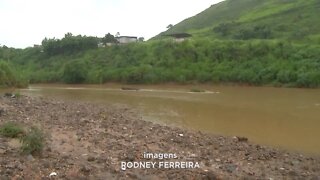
column 85, row 169
column 132, row 175
column 2, row 151
column 65, row 156
column 210, row 176
column 231, row 168
column 9, row 172
column 48, row 149
column 91, row 158
column 11, row 165
column 4, row 177
column 8, row 94
column 46, row 164
column 293, row 173
column 1, row 111
column 315, row 178
column 241, row 139
column 130, row 156
column 30, row 157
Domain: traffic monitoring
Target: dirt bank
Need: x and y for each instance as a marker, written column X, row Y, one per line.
column 89, row 141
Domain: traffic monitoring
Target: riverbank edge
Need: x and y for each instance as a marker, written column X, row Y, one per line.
column 193, row 84
column 91, row 140
column 190, row 85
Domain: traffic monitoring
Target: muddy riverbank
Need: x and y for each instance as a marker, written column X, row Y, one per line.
column 90, row 141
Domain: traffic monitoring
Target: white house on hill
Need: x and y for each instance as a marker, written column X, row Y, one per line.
column 126, row 39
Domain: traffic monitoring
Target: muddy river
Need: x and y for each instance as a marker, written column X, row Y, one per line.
column 280, row 117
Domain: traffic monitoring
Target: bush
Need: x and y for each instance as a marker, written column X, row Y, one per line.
column 9, row 77
column 17, row 94
column 286, row 76
column 309, row 79
column 33, row 141
column 75, row 72
column 11, row 130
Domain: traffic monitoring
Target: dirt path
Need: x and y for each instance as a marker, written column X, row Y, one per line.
column 89, row 141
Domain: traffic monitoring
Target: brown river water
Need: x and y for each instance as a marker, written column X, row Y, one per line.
column 281, row 117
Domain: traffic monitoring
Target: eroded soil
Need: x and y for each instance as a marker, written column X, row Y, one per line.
column 89, row 141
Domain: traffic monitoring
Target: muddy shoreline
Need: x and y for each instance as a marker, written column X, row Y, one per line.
column 90, row 141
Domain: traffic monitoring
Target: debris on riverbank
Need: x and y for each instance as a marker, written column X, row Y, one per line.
column 88, row 140
column 130, row 89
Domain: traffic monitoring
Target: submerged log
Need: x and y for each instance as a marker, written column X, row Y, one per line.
column 129, row 89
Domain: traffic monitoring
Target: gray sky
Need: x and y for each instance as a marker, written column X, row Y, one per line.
column 27, row 22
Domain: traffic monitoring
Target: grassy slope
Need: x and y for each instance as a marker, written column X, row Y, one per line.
column 287, row 19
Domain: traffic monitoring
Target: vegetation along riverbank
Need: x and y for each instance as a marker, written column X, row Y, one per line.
column 254, row 62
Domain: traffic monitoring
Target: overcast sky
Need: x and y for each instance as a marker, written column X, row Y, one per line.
column 27, row 22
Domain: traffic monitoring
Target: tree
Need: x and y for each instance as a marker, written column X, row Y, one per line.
column 69, row 44
column 256, row 32
column 224, row 29
column 141, row 39
column 68, row 35
column 109, row 38
column 169, row 26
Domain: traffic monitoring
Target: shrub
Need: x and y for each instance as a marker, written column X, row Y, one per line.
column 7, row 78
column 75, row 72
column 286, row 76
column 33, row 141
column 309, row 79
column 11, row 130
column 17, row 94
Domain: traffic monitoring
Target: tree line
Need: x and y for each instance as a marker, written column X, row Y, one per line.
column 251, row 62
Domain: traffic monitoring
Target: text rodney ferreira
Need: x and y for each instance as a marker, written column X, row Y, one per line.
column 159, row 164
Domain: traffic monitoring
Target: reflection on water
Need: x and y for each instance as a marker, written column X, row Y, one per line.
column 289, row 118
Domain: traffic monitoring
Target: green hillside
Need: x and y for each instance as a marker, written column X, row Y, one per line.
column 251, row 42
column 296, row 20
